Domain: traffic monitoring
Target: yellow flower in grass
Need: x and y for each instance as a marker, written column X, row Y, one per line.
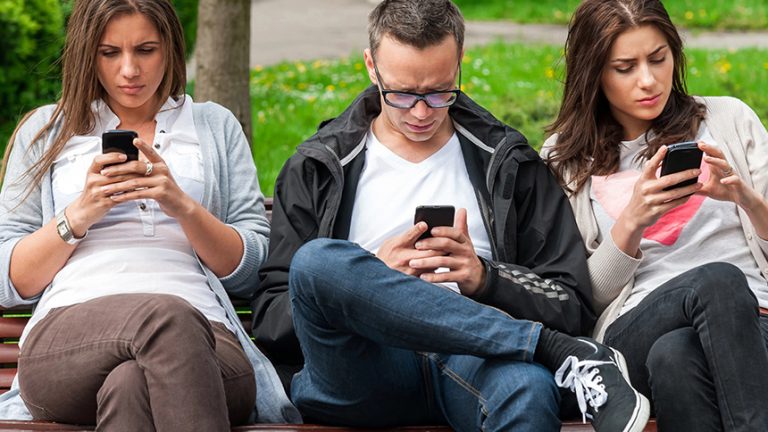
column 302, row 86
column 689, row 15
column 765, row 65
column 358, row 66
column 724, row 66
column 258, row 68
column 330, row 87
column 549, row 73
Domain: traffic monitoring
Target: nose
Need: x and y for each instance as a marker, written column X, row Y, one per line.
column 129, row 67
column 421, row 110
column 646, row 78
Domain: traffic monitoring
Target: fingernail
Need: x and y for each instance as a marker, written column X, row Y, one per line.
column 105, row 189
column 418, row 245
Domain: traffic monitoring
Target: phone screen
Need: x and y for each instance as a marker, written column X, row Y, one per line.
column 681, row 157
column 434, row 215
column 120, row 141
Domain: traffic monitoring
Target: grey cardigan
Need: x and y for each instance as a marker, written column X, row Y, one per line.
column 231, row 194
column 744, row 141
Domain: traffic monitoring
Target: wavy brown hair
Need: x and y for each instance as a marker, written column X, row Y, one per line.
column 80, row 85
column 588, row 134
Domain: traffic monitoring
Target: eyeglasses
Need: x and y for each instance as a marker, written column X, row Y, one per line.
column 408, row 100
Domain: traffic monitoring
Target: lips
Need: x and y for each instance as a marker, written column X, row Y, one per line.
column 131, row 89
column 420, row 128
column 650, row 101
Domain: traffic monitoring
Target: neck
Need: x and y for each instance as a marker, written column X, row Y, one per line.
column 135, row 118
column 412, row 151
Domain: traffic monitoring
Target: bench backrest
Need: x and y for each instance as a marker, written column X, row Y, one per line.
column 12, row 322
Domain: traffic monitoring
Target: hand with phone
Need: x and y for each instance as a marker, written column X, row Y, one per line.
column 653, row 196
column 147, row 179
column 397, row 252
column 92, row 204
column 456, row 253
column 724, row 184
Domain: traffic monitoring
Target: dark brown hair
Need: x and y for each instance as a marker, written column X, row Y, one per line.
column 80, row 83
column 418, row 23
column 588, row 135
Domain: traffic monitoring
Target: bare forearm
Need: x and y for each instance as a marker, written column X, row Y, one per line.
column 37, row 258
column 219, row 246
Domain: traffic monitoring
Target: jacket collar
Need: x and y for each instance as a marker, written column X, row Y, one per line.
column 344, row 135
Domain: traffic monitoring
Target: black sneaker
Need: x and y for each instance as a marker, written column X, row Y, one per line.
column 603, row 391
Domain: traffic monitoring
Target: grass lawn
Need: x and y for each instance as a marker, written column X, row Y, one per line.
column 708, row 14
column 518, row 83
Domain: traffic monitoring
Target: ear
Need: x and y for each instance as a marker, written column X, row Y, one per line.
column 368, row 58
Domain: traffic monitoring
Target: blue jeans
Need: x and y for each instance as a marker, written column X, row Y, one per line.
column 383, row 348
column 695, row 347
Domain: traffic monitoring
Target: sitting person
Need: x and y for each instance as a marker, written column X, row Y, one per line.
column 389, row 339
column 679, row 274
column 130, row 262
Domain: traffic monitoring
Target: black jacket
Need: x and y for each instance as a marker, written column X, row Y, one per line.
column 538, row 271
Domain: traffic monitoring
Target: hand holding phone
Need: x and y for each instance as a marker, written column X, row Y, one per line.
column 434, row 215
column 680, row 157
column 120, row 141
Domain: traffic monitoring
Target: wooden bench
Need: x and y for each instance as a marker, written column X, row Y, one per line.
column 12, row 322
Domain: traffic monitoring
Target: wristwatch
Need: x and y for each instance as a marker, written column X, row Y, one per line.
column 65, row 232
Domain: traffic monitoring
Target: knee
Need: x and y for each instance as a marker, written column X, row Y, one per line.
column 724, row 282
column 676, row 352
column 127, row 379
column 321, row 257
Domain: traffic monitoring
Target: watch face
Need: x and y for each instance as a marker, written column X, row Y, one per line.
column 62, row 229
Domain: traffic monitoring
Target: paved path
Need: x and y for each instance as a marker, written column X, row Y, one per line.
column 311, row 29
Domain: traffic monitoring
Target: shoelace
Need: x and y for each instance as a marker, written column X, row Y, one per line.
column 583, row 378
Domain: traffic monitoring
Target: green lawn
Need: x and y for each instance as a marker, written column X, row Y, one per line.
column 519, row 83
column 707, row 14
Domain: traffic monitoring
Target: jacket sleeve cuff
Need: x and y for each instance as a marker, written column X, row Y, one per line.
column 610, row 270
column 486, row 292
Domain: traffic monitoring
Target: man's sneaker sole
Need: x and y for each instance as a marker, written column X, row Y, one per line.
column 642, row 410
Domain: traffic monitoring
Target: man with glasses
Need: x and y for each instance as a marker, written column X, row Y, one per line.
column 395, row 329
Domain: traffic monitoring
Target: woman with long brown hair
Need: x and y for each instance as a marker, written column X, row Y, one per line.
column 679, row 272
column 129, row 263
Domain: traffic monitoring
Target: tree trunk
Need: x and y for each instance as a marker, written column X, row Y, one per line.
column 222, row 55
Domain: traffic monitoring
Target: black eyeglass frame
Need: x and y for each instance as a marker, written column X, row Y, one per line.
column 418, row 96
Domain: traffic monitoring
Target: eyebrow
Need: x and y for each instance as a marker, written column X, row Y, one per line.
column 151, row 42
column 628, row 60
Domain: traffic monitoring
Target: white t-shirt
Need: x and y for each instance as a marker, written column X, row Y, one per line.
column 135, row 248
column 390, row 189
column 701, row 231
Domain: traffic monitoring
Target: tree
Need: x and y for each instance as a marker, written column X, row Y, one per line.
column 222, row 55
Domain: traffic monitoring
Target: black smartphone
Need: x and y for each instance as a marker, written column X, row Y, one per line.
column 120, row 141
column 434, row 215
column 680, row 157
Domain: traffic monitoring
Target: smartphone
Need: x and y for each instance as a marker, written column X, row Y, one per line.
column 433, row 215
column 120, row 141
column 680, row 157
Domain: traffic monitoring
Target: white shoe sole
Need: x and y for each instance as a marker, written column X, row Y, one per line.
column 642, row 406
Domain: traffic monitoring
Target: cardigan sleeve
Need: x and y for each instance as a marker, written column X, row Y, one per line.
column 21, row 207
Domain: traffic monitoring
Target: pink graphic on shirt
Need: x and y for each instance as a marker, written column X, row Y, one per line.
column 613, row 192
